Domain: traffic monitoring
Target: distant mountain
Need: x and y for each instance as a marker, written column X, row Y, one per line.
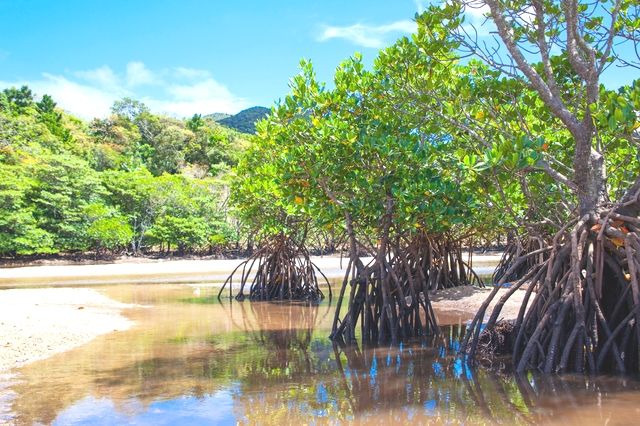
column 217, row 116
column 244, row 121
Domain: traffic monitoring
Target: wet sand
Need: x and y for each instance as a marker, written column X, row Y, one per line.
column 39, row 323
column 166, row 271
column 466, row 301
column 36, row 323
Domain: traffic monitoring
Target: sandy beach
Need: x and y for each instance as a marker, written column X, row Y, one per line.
column 166, row 270
column 38, row 323
column 466, row 300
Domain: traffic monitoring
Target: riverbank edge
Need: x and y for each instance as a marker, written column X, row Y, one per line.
column 91, row 259
column 36, row 324
column 161, row 270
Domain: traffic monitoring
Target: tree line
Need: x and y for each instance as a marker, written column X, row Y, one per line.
column 132, row 182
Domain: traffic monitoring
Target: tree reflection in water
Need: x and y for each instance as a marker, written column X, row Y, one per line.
column 423, row 383
column 426, row 380
column 285, row 332
column 272, row 363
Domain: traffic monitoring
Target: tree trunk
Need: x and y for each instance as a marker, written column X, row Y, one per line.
column 630, row 203
column 589, row 172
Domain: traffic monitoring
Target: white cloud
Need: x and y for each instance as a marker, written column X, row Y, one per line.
column 367, row 35
column 84, row 100
column 528, row 15
column 180, row 91
column 103, row 77
column 477, row 23
column 478, row 11
column 198, row 106
column 138, row 74
column 191, row 73
column 204, row 89
column 479, row 17
column 201, row 96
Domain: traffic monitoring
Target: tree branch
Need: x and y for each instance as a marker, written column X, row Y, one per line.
column 556, row 175
column 555, row 103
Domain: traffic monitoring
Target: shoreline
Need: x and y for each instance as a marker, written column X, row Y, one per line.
column 84, row 259
column 36, row 324
column 166, row 271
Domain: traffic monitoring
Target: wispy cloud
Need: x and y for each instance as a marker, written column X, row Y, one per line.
column 368, row 35
column 421, row 5
column 139, row 75
column 177, row 91
column 102, row 77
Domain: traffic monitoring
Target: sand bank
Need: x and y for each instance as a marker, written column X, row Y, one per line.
column 38, row 323
column 466, row 300
column 165, row 271
column 161, row 271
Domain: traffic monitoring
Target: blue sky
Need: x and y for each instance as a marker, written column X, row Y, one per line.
column 191, row 56
column 186, row 56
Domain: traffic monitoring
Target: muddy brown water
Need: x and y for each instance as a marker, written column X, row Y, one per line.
column 192, row 360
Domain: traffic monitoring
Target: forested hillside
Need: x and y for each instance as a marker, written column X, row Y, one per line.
column 244, row 121
column 134, row 181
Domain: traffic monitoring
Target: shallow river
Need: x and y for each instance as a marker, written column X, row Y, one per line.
column 192, row 360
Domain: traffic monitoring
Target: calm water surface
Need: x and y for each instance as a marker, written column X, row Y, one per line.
column 191, row 360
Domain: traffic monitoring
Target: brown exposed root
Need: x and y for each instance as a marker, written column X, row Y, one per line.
column 283, row 271
column 439, row 259
column 514, row 253
column 585, row 313
column 389, row 297
column 496, row 341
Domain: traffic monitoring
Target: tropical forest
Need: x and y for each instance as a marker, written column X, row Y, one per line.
column 441, row 227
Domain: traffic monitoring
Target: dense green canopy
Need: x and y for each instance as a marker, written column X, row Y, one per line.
column 132, row 181
column 446, row 139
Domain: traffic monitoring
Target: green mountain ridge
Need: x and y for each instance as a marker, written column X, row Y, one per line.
column 244, row 121
column 217, row 116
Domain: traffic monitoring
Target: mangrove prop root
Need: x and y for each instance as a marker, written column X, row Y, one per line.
column 389, row 297
column 439, row 260
column 585, row 315
column 497, row 340
column 514, row 253
column 279, row 270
